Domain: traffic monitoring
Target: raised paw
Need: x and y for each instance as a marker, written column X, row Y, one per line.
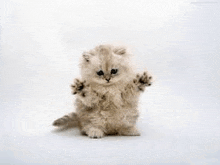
column 144, row 80
column 78, row 87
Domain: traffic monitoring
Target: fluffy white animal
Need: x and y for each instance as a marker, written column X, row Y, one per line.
column 107, row 94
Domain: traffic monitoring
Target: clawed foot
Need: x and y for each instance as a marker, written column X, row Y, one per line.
column 78, row 87
column 143, row 80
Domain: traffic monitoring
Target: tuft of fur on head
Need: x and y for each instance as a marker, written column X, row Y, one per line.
column 98, row 66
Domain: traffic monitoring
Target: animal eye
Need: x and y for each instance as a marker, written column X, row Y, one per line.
column 114, row 71
column 100, row 73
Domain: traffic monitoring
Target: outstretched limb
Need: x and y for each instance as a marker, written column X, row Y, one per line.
column 79, row 87
column 84, row 92
column 142, row 81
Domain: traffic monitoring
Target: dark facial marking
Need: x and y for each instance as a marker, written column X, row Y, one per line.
column 114, row 71
column 100, row 73
column 108, row 79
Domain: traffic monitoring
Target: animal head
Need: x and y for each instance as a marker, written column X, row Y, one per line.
column 106, row 65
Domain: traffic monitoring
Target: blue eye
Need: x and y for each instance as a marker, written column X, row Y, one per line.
column 114, row 71
column 100, row 73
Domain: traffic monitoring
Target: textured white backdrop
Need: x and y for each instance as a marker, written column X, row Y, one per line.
column 178, row 41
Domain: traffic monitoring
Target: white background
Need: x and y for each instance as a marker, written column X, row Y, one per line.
column 177, row 41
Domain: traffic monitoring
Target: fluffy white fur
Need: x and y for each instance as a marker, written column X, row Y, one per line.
column 107, row 94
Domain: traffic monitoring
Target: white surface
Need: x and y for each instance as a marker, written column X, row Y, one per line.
column 177, row 41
